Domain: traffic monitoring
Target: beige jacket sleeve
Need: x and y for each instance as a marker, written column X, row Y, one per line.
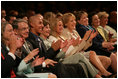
column 82, row 46
column 77, row 48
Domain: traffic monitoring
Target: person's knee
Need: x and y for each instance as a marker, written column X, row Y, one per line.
column 112, row 55
column 92, row 53
column 108, row 60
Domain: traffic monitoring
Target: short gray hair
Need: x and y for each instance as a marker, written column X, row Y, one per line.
column 15, row 23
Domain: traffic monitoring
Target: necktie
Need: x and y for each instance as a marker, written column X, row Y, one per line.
column 26, row 46
column 40, row 42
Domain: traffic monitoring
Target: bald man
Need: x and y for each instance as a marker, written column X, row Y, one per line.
column 36, row 25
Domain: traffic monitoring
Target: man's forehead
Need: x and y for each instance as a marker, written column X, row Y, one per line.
column 21, row 24
column 35, row 18
column 39, row 17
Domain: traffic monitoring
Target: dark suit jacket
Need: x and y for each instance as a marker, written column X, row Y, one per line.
column 42, row 53
column 50, row 53
column 59, row 69
column 8, row 63
column 24, row 51
column 81, row 29
column 96, row 42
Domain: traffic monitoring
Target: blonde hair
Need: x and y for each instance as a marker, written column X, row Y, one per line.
column 53, row 24
column 59, row 15
column 49, row 16
column 101, row 14
column 66, row 17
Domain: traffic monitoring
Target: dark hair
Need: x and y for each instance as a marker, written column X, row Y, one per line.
column 8, row 16
column 90, row 17
column 22, row 15
column 45, row 22
column 78, row 14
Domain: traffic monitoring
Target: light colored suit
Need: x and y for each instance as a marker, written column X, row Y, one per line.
column 76, row 58
column 67, row 35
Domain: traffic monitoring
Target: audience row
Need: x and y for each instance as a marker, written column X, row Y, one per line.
column 58, row 46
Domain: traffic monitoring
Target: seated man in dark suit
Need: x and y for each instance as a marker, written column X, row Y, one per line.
column 21, row 28
column 57, row 68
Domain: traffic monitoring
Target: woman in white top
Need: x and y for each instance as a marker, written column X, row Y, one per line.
column 70, row 32
column 72, row 59
column 56, row 34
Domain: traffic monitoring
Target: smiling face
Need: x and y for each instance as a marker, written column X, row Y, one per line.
column 46, row 31
column 84, row 20
column 37, row 25
column 95, row 21
column 104, row 20
column 71, row 23
column 59, row 27
column 23, row 29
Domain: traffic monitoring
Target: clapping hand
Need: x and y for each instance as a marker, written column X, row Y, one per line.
column 108, row 45
column 93, row 35
column 31, row 55
column 76, row 42
column 56, row 45
column 70, row 41
column 63, row 44
column 87, row 34
column 38, row 61
column 50, row 62
column 15, row 42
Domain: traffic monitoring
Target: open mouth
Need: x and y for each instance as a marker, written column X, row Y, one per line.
column 47, row 32
column 73, row 26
